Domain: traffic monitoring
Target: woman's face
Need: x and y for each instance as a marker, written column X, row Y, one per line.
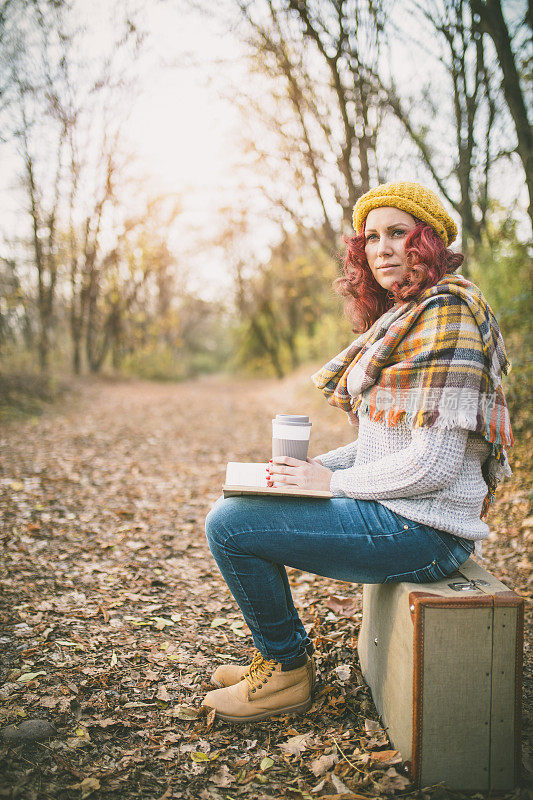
column 385, row 232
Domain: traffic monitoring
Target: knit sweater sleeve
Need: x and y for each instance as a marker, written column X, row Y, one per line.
column 340, row 458
column 430, row 462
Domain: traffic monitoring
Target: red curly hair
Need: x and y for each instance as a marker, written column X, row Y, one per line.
column 428, row 261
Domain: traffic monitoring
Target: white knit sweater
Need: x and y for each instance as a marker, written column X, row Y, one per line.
column 429, row 475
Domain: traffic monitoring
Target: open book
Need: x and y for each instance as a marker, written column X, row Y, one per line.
column 250, row 478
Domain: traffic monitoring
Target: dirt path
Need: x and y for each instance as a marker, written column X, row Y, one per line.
column 115, row 613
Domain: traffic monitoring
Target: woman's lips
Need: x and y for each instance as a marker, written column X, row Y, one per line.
column 389, row 266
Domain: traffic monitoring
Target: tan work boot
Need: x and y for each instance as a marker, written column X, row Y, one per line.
column 230, row 674
column 265, row 690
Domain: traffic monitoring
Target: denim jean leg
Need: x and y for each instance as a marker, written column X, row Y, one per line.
column 259, row 587
column 299, row 626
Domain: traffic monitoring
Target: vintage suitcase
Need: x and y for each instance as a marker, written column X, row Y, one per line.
column 444, row 663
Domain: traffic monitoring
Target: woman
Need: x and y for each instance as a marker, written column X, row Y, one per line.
column 424, row 381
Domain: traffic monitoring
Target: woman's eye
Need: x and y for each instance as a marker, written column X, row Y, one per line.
column 400, row 231
column 370, row 237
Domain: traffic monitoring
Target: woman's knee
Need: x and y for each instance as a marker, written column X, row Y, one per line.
column 221, row 520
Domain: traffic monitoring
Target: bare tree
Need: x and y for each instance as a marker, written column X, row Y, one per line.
column 330, row 95
column 488, row 14
column 114, row 278
column 28, row 117
column 66, row 114
column 322, row 54
column 45, row 247
column 474, row 147
column 13, row 310
column 85, row 258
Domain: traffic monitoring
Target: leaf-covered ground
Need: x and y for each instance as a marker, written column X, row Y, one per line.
column 114, row 613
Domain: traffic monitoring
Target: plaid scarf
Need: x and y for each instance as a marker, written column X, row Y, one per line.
column 436, row 360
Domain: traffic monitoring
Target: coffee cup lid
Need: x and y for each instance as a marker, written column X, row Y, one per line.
column 292, row 419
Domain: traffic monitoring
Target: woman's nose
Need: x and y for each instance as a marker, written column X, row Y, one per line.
column 384, row 245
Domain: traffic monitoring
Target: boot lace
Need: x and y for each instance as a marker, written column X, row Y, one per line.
column 260, row 669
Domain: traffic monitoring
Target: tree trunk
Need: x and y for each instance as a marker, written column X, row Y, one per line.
column 44, row 346
column 493, row 23
column 76, row 349
column 269, row 348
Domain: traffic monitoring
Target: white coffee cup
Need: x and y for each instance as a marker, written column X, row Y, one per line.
column 290, row 435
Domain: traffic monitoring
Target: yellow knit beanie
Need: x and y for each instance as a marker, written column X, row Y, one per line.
column 410, row 197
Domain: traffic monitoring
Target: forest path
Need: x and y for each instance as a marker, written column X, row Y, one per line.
column 115, row 612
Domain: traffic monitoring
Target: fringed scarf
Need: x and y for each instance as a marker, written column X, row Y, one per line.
column 436, row 360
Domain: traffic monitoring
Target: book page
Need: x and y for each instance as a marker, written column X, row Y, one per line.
column 246, row 474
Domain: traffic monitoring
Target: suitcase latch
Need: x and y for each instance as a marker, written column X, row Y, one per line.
column 467, row 586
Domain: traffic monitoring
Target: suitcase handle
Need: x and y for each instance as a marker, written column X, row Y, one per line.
column 467, row 586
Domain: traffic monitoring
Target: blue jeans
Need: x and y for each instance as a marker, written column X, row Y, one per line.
column 361, row 541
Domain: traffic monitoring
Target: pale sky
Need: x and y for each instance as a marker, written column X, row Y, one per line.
column 179, row 126
column 183, row 133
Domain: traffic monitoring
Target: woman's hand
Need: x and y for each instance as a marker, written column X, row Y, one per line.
column 309, row 474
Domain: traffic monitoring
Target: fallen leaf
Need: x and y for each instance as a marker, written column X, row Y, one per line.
column 223, row 777
column 266, row 763
column 137, row 621
column 210, row 719
column 26, row 677
column 372, row 727
column 392, row 781
column 319, row 786
column 64, row 705
column 339, row 786
column 218, row 621
column 106, row 723
column 321, row 764
column 49, row 701
column 135, row 546
column 343, row 671
column 344, row 606
column 162, row 693
column 150, row 675
column 114, row 659
column 198, row 757
column 186, row 713
column 168, row 755
column 386, row 756
column 135, row 704
column 161, row 622
column 68, row 643
column 74, row 743
column 87, row 786
column 296, row 744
